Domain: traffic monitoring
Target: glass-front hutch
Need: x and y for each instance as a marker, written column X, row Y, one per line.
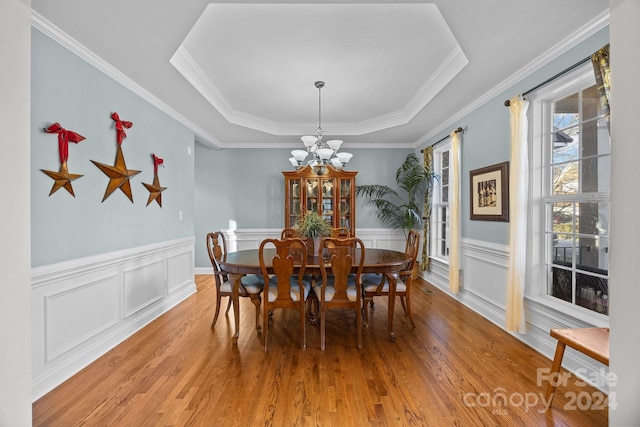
column 332, row 195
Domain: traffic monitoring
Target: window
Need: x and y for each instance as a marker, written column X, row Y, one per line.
column 574, row 145
column 440, row 203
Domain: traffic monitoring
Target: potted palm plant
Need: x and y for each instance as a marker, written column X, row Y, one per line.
column 312, row 227
column 401, row 209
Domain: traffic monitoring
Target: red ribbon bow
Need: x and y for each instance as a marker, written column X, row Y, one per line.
column 64, row 137
column 121, row 125
column 156, row 161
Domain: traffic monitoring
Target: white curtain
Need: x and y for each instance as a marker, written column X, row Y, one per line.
column 518, row 198
column 454, row 215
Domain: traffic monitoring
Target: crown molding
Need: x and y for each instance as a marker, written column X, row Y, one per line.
column 49, row 29
column 193, row 73
column 590, row 28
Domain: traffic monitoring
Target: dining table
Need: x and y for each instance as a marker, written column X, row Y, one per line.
column 381, row 261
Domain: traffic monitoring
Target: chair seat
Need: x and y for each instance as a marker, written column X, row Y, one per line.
column 372, row 286
column 372, row 278
column 253, row 283
column 294, row 290
column 330, row 290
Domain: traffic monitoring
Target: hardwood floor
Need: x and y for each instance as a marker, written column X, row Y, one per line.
column 451, row 371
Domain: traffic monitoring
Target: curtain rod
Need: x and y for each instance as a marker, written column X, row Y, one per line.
column 550, row 79
column 459, row 129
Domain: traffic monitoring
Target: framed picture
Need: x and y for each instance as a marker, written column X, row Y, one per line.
column 490, row 193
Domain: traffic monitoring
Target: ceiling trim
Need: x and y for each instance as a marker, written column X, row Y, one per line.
column 193, row 73
column 41, row 24
column 590, row 28
column 343, row 147
column 450, row 67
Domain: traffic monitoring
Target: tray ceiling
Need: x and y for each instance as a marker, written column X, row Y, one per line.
column 241, row 74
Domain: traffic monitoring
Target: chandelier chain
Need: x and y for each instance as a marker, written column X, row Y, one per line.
column 319, row 85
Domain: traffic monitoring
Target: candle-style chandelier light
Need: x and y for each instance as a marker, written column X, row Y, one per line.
column 324, row 153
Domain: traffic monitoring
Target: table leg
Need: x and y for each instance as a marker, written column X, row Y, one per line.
column 235, row 298
column 555, row 369
column 392, row 279
column 312, row 307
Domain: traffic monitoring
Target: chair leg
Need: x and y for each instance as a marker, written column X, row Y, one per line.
column 226, row 313
column 365, row 311
column 359, row 327
column 312, row 308
column 404, row 305
column 409, row 313
column 215, row 316
column 256, row 301
column 265, row 326
column 303, row 324
column 322, row 329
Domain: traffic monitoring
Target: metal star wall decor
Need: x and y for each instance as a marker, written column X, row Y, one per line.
column 63, row 178
column 119, row 175
column 155, row 190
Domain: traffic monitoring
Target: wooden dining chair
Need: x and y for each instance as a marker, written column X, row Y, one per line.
column 250, row 285
column 374, row 285
column 338, row 287
column 287, row 287
column 288, row 233
column 340, row 232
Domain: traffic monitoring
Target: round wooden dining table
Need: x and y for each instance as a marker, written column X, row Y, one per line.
column 384, row 261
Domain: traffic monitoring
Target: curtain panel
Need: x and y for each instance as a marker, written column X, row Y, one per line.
column 425, row 265
column 518, row 201
column 600, row 61
column 454, row 215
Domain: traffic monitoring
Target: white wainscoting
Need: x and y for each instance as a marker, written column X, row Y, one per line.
column 83, row 308
column 483, row 288
column 250, row 238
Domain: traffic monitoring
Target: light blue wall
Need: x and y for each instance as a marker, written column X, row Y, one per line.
column 486, row 138
column 247, row 186
column 68, row 90
column 209, row 186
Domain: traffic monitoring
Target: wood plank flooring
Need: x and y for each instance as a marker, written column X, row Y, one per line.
column 451, row 371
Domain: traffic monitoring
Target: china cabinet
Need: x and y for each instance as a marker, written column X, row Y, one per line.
column 332, row 195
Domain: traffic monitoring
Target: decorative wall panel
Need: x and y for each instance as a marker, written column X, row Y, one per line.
column 143, row 286
column 75, row 315
column 179, row 270
column 82, row 308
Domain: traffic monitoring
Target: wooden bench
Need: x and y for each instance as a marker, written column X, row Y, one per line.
column 594, row 342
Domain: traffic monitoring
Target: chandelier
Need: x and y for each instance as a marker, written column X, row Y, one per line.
column 323, row 153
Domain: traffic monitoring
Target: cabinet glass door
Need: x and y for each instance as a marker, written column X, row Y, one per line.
column 345, row 203
column 313, row 202
column 295, row 201
column 327, row 200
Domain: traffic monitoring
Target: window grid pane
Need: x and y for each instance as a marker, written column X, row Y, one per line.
column 577, row 230
column 440, row 209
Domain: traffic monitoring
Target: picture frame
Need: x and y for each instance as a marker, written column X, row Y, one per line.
column 489, row 193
